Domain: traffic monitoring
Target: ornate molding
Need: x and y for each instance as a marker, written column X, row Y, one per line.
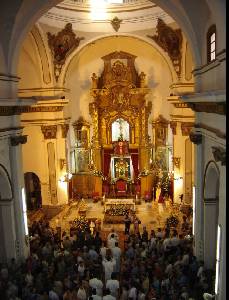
column 170, row 41
column 18, row 139
column 209, row 107
column 115, row 23
column 64, row 130
column 217, row 132
column 219, row 154
column 176, row 161
column 17, row 110
column 195, row 138
column 161, row 130
column 186, row 127
column 173, row 126
column 49, row 131
column 61, row 46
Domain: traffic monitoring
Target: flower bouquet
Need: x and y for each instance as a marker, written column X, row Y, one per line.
column 81, row 223
column 118, row 210
column 172, row 221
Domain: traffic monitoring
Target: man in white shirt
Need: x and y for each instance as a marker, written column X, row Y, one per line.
column 111, row 241
column 95, row 296
column 115, row 235
column 103, row 250
column 132, row 293
column 108, row 265
column 113, row 285
column 108, row 296
column 97, row 284
column 117, row 252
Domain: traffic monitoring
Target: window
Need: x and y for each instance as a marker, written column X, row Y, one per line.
column 120, row 129
column 218, row 253
column 211, row 43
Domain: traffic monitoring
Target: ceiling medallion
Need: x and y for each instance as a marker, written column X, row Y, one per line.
column 115, row 23
column 61, row 46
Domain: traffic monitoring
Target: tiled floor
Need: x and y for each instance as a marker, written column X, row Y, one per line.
column 152, row 215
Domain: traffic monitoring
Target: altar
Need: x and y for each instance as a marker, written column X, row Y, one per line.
column 129, row 203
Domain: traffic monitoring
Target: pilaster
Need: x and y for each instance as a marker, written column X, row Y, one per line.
column 197, row 138
column 18, row 184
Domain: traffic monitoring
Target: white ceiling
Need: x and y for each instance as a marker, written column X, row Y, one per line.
column 96, row 15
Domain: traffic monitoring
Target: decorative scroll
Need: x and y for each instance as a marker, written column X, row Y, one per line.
column 19, row 139
column 61, row 46
column 115, row 23
column 49, row 131
column 219, row 155
column 186, row 128
column 173, row 126
column 64, row 129
column 195, row 137
column 169, row 40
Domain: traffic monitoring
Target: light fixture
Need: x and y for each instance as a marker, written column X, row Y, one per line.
column 66, row 177
column 218, row 250
column 24, row 210
column 193, row 209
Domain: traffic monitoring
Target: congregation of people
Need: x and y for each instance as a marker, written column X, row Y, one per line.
column 81, row 265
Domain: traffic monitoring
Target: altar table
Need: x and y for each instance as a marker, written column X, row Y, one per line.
column 111, row 202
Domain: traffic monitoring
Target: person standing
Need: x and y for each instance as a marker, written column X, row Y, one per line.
column 108, row 265
column 136, row 225
column 127, row 222
column 116, row 252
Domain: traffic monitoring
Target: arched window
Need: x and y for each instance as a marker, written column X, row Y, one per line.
column 120, row 129
column 211, row 43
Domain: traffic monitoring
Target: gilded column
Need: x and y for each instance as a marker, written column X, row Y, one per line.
column 93, row 108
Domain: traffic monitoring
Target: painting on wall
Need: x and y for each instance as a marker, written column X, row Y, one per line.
column 80, row 161
column 161, row 158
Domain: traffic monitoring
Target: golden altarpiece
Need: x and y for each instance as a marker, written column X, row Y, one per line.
column 119, row 98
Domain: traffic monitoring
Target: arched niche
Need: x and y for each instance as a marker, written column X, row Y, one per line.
column 33, row 191
column 211, row 212
column 5, row 184
column 211, row 181
column 120, row 128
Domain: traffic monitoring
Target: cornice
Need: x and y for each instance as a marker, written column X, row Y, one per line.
column 205, row 97
column 220, row 57
column 217, row 132
column 18, row 139
column 209, row 107
column 17, row 110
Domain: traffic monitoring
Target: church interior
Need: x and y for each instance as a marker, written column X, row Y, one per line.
column 114, row 110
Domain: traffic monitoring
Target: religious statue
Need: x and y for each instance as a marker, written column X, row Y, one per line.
column 142, row 77
column 94, row 81
column 121, row 168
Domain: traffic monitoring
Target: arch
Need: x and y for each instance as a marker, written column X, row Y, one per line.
column 6, row 191
column 151, row 43
column 211, row 181
column 28, row 14
column 33, row 190
column 211, row 213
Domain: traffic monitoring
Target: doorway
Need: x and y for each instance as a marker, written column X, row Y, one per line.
column 33, row 191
